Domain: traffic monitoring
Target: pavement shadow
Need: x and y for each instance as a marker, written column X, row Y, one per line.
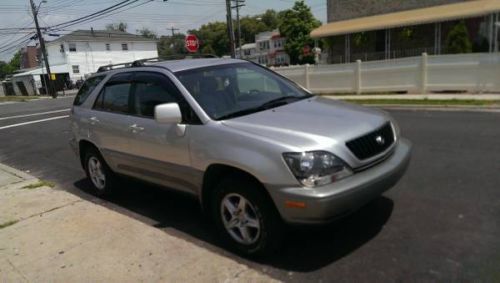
column 307, row 248
column 311, row 248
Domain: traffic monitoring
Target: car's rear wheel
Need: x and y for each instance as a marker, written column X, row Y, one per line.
column 100, row 175
column 246, row 218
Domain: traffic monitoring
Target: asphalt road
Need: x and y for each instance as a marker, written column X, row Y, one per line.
column 440, row 223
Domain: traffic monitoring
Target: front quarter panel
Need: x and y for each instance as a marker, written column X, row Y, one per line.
column 214, row 143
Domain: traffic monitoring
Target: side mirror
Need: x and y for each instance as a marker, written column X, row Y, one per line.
column 168, row 113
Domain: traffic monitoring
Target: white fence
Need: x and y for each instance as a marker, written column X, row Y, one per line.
column 477, row 72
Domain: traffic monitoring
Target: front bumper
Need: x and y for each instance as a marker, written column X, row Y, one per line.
column 327, row 203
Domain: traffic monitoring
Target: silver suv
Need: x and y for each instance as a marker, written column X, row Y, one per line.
column 256, row 149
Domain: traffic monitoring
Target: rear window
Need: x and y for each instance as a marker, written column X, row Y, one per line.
column 87, row 89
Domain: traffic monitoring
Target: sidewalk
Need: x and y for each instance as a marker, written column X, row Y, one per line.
column 48, row 235
column 431, row 96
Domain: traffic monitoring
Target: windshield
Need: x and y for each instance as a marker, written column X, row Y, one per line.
column 234, row 90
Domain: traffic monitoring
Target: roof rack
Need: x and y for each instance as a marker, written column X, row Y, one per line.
column 142, row 62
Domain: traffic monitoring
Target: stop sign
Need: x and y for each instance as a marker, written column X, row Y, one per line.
column 191, row 42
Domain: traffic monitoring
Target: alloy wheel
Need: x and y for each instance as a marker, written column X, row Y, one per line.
column 240, row 219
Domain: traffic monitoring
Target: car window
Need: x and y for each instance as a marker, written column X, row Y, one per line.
column 238, row 88
column 152, row 89
column 114, row 96
column 87, row 89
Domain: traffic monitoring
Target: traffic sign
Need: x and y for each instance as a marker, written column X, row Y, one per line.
column 191, row 43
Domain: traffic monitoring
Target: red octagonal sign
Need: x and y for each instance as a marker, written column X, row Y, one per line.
column 191, row 42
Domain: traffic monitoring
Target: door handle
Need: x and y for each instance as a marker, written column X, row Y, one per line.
column 135, row 128
column 94, row 120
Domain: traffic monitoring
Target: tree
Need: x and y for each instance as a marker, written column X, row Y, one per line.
column 207, row 50
column 171, row 45
column 250, row 26
column 214, row 38
column 296, row 25
column 458, row 39
column 145, row 32
column 121, row 26
column 15, row 62
column 3, row 69
column 213, row 34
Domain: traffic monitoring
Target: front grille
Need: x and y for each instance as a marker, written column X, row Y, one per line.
column 373, row 143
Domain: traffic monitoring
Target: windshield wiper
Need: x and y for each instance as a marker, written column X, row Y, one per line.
column 282, row 100
column 268, row 105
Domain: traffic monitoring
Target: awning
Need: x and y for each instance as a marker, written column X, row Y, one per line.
column 434, row 14
column 58, row 69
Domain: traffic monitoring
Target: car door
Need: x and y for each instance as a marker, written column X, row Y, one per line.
column 109, row 120
column 160, row 151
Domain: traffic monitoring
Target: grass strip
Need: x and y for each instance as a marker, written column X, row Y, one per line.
column 426, row 102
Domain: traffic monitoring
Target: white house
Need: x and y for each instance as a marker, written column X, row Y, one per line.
column 76, row 55
column 268, row 49
column 84, row 51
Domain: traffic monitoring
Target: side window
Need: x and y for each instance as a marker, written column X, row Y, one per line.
column 152, row 89
column 114, row 96
column 87, row 89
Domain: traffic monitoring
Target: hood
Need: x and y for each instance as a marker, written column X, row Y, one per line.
column 312, row 124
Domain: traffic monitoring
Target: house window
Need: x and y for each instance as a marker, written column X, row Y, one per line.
column 76, row 69
column 72, row 47
column 124, row 46
column 108, row 47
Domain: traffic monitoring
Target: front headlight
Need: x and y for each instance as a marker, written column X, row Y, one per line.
column 316, row 168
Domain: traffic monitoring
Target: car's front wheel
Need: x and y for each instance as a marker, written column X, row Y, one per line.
column 246, row 218
column 101, row 176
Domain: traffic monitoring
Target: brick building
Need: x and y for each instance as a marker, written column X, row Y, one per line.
column 384, row 29
column 29, row 57
column 340, row 10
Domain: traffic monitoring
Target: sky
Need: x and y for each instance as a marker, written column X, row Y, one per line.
column 156, row 15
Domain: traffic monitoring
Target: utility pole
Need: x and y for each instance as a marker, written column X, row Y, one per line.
column 230, row 29
column 34, row 10
column 237, row 6
column 173, row 30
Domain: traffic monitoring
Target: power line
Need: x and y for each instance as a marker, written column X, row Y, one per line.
column 95, row 14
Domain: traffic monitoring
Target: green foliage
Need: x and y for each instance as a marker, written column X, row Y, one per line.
column 207, row 50
column 145, row 32
column 121, row 26
column 215, row 40
column 3, row 69
column 250, row 26
column 296, row 25
column 13, row 65
column 214, row 35
column 171, row 45
column 407, row 33
column 458, row 39
column 360, row 39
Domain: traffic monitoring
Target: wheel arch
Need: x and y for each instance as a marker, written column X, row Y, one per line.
column 83, row 146
column 217, row 172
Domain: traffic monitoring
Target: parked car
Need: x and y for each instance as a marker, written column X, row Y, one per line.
column 256, row 149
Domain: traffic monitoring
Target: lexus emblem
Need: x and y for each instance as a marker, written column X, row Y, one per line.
column 380, row 140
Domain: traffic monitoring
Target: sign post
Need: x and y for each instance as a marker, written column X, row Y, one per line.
column 191, row 43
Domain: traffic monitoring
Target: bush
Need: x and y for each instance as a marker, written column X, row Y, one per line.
column 458, row 39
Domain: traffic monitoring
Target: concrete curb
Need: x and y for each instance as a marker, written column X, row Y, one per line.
column 20, row 174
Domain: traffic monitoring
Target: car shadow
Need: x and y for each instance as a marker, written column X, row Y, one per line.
column 306, row 248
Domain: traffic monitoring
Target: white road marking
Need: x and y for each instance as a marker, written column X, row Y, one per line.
column 33, row 122
column 34, row 114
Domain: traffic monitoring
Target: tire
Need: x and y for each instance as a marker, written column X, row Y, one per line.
column 100, row 175
column 263, row 224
